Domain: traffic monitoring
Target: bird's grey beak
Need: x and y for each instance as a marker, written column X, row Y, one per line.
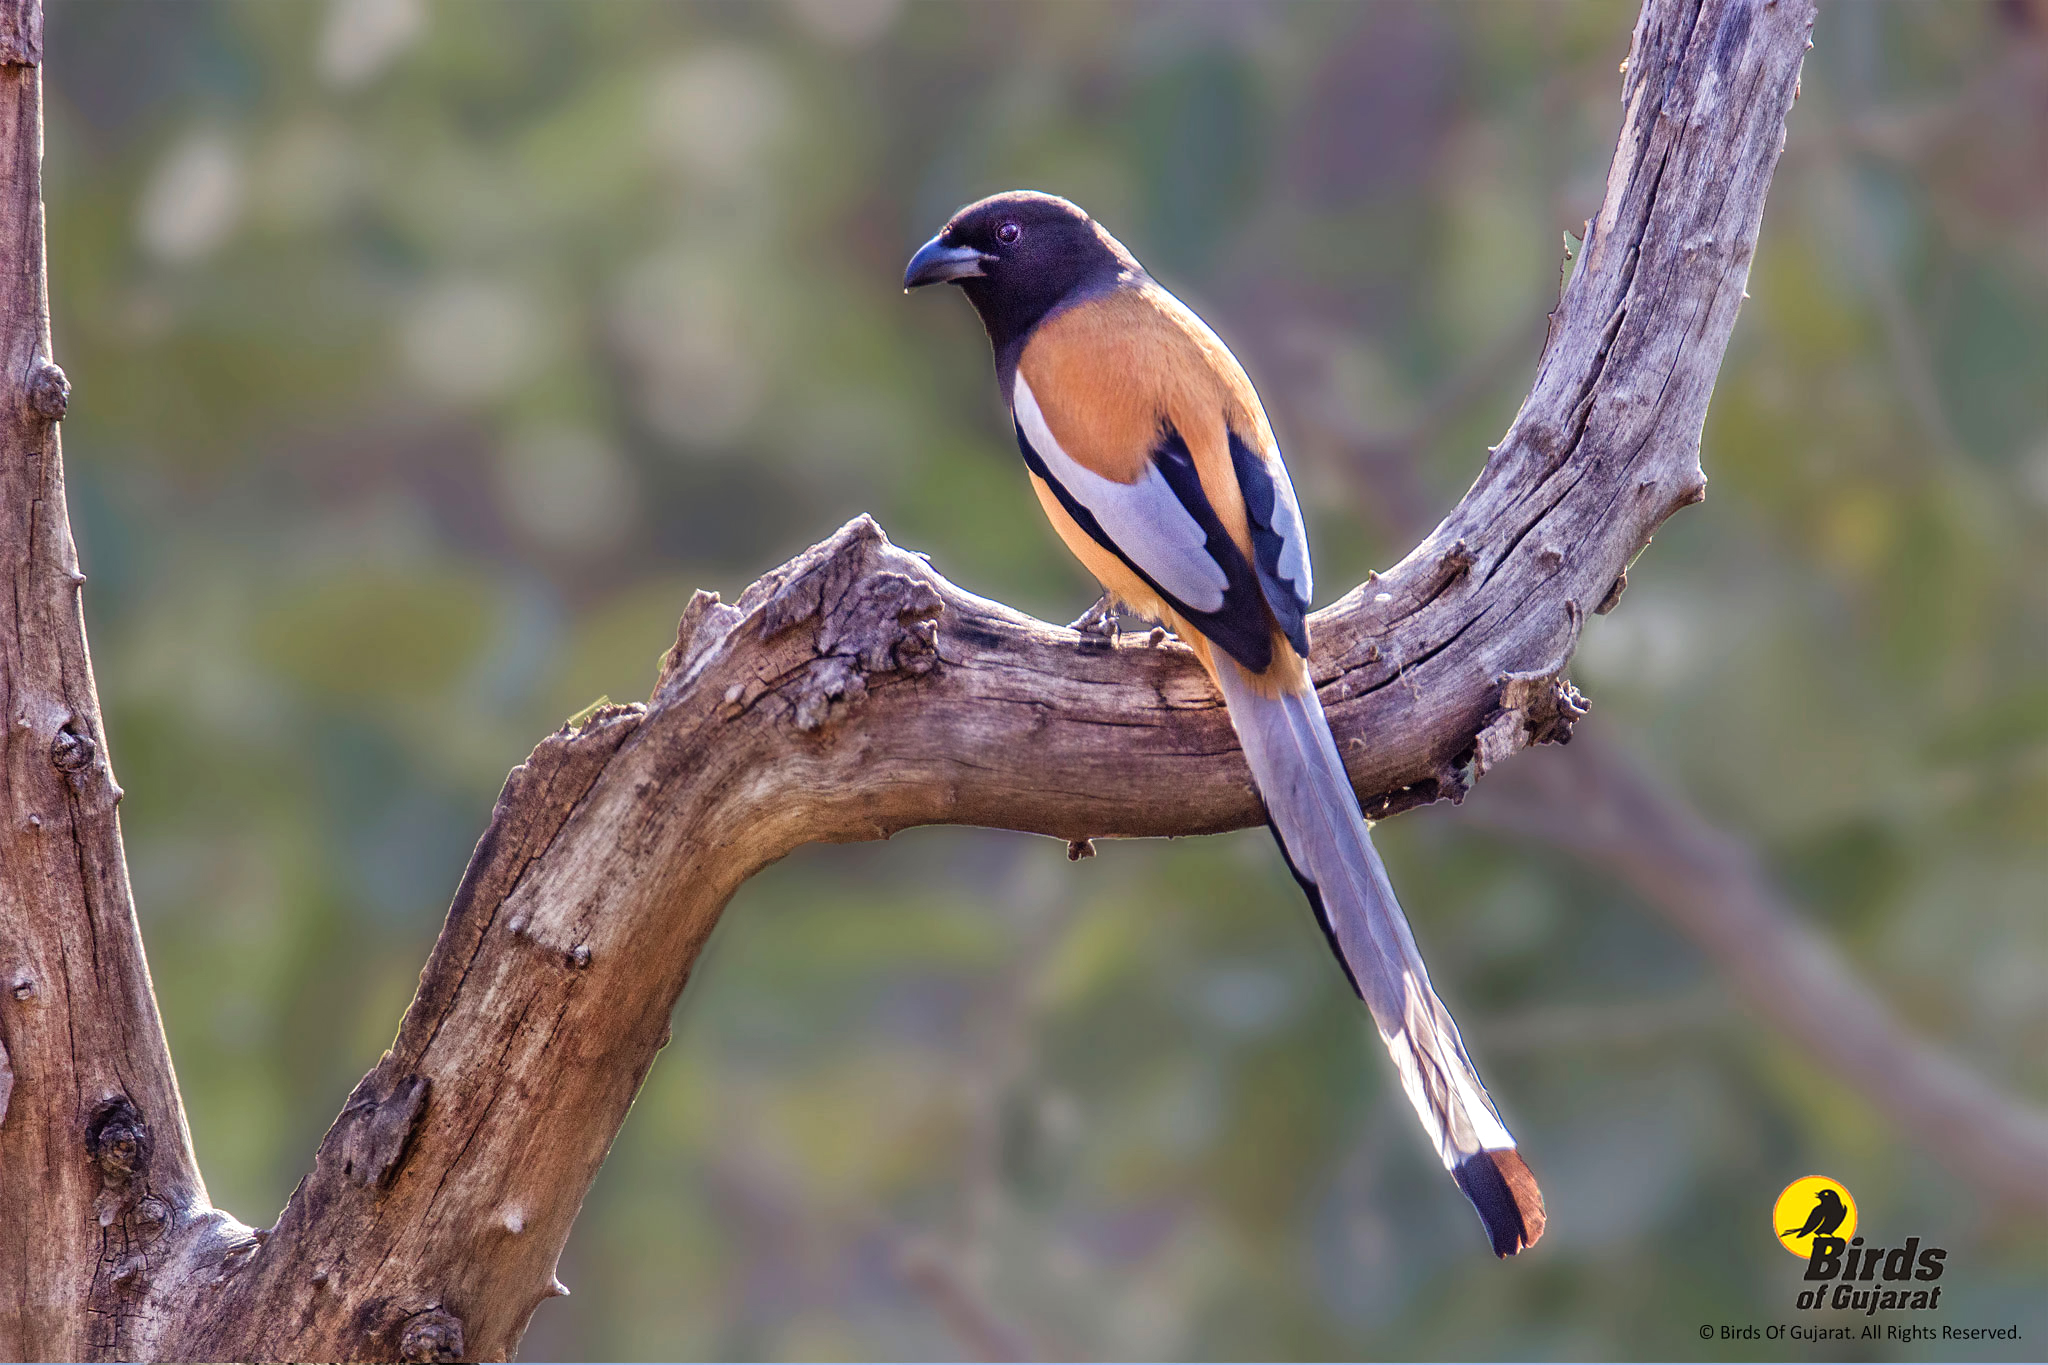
column 937, row 263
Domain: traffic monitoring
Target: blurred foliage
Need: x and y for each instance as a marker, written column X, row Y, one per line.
column 427, row 356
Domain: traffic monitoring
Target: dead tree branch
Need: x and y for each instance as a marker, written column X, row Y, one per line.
column 98, row 1185
column 848, row 694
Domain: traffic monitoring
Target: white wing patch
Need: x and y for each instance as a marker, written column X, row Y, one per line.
column 1293, row 566
column 1148, row 523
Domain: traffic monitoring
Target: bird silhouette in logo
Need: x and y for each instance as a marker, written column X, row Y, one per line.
column 1828, row 1213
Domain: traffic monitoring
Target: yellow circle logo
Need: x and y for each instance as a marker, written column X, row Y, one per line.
column 1812, row 1206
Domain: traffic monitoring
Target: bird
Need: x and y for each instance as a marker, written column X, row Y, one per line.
column 1152, row 456
column 1828, row 1213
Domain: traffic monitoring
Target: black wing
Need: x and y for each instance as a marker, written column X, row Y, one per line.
column 1240, row 626
column 1279, row 540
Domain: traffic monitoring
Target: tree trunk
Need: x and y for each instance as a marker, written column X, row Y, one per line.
column 97, row 1178
column 848, row 694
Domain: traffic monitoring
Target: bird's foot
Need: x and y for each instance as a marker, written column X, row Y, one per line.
column 1099, row 620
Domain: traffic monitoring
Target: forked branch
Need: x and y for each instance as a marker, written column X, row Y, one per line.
column 854, row 692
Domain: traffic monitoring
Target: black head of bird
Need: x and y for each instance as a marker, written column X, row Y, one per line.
column 1017, row 256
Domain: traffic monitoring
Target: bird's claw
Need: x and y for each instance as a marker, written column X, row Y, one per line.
column 1099, row 620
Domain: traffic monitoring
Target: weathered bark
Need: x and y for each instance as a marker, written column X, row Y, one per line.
column 95, row 1162
column 850, row 693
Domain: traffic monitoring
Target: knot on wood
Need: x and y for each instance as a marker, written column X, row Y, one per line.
column 849, row 586
column 377, row 1126
column 433, row 1335
column 72, row 750
column 872, row 621
column 885, row 624
column 49, row 391
column 128, row 1272
column 1539, row 707
column 888, row 623
column 823, row 684
column 814, row 582
column 118, row 1140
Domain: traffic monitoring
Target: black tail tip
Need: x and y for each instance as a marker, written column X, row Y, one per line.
column 1502, row 1189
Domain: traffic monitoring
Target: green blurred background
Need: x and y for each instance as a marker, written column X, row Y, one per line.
column 427, row 356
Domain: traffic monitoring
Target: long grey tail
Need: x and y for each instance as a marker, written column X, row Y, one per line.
column 1315, row 817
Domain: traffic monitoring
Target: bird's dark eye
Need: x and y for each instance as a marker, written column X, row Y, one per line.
column 1008, row 233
